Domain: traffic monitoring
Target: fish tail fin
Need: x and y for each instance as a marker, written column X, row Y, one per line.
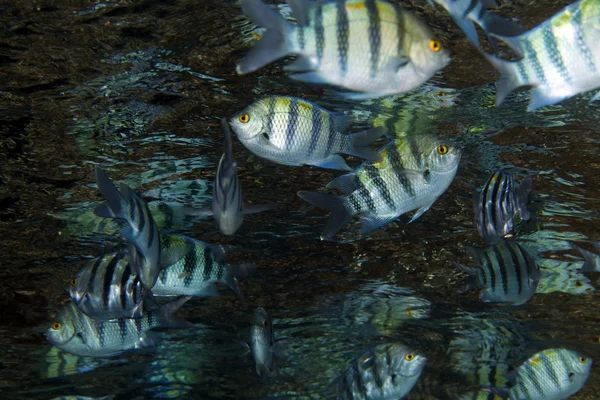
column 274, row 44
column 167, row 317
column 239, row 272
column 492, row 23
column 509, row 77
column 339, row 213
column 589, row 264
column 360, row 142
column 114, row 206
column 473, row 282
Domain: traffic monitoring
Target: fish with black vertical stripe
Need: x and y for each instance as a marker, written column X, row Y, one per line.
column 412, row 174
column 371, row 47
column 293, row 131
column 500, row 200
column 560, row 57
column 507, row 273
column 385, row 372
column 76, row 333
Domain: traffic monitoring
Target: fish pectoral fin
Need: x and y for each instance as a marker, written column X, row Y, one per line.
column 147, row 339
column 421, row 210
column 309, row 77
column 256, row 208
column 334, row 161
column 347, row 183
column 468, row 27
column 301, row 64
column 371, row 222
column 398, row 63
column 596, row 97
column 278, row 346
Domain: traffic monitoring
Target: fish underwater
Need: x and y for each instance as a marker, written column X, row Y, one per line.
column 368, row 46
column 387, row 371
column 499, row 201
column 507, row 273
column 551, row 374
column 560, row 57
column 480, row 395
column 228, row 208
column 78, row 334
column 381, row 192
column 592, row 260
column 293, row 131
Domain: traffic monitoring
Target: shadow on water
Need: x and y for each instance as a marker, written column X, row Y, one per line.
column 138, row 88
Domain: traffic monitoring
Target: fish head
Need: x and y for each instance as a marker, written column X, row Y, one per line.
column 62, row 329
column 261, row 331
column 581, row 366
column 250, row 123
column 443, row 156
column 425, row 51
column 407, row 363
column 229, row 221
column 78, row 285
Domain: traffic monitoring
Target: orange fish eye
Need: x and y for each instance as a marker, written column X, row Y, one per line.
column 244, row 118
column 73, row 282
column 443, row 149
column 582, row 360
column 409, row 357
column 434, row 45
column 56, row 326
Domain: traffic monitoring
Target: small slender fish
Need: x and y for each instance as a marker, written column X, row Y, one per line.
column 76, row 333
column 196, row 273
column 386, row 372
column 467, row 13
column 381, row 192
column 591, row 259
column 499, row 201
column 560, row 57
column 263, row 346
column 228, row 208
column 292, row 131
column 552, row 374
column 369, row 46
column 107, row 287
column 507, row 273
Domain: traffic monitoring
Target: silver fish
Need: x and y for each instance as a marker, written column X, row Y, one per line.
column 386, row 372
column 293, row 131
column 368, row 46
column 263, row 346
column 76, row 333
column 107, row 287
column 500, row 200
column 552, row 374
column 381, row 192
column 228, row 208
column 560, row 57
column 507, row 273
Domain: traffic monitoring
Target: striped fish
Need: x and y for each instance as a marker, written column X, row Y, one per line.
column 292, row 131
column 196, row 273
column 507, row 273
column 591, row 259
column 228, row 206
column 107, row 287
column 387, row 371
column 413, row 173
column 368, row 46
column 552, row 374
column 500, row 200
column 561, row 57
column 467, row 12
column 76, row 333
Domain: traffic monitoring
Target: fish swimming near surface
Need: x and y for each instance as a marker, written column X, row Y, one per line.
column 76, row 333
column 228, row 208
column 293, row 131
column 381, row 192
column 560, row 57
column 552, row 374
column 387, row 371
column 507, row 273
column 501, row 199
column 369, row 46
column 591, row 259
column 467, row 13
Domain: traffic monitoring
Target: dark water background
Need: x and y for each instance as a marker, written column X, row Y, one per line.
column 138, row 88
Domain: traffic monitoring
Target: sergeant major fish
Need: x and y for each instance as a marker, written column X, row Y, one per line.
column 76, row 333
column 228, row 206
column 292, row 131
column 507, row 273
column 388, row 371
column 368, row 46
column 381, row 192
column 495, row 206
column 561, row 57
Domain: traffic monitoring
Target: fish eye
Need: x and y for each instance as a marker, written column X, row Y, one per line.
column 265, row 324
column 409, row 357
column 73, row 282
column 582, row 360
column 56, row 326
column 443, row 149
column 434, row 45
column 244, row 118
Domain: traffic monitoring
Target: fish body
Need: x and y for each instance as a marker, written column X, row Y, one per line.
column 263, row 345
column 198, row 270
column 413, row 173
column 560, row 57
column 76, row 333
column 551, row 374
column 386, row 372
column 480, row 395
column 507, row 273
column 107, row 287
column 293, row 131
column 368, row 46
column 501, row 199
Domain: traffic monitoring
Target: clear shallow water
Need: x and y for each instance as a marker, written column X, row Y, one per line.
column 139, row 89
